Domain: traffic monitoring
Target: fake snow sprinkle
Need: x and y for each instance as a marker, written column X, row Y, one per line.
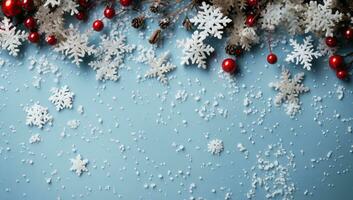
column 215, row 146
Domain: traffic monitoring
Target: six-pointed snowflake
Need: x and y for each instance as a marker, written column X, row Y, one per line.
column 10, row 38
column 210, row 20
column 289, row 91
column 320, row 18
column 303, row 53
column 105, row 69
column 75, row 46
column 79, row 165
column 159, row 68
column 61, row 97
column 37, row 115
column 195, row 51
column 215, row 146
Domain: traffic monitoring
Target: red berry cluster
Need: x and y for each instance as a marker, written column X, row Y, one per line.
column 251, row 18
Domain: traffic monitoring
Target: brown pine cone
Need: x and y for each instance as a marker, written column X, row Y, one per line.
column 164, row 23
column 138, row 22
column 155, row 7
column 155, row 37
column 231, row 49
column 187, row 24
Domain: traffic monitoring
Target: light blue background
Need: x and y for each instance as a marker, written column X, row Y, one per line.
column 149, row 150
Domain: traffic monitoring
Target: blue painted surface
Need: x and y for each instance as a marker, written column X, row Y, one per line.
column 149, row 151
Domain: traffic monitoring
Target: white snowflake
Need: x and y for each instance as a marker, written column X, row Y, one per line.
column 195, row 51
column 66, row 5
column 242, row 35
column 78, row 165
column 37, row 115
column 159, row 68
column 271, row 16
column 110, row 55
column 210, row 20
column 34, row 139
column 289, row 91
column 320, row 18
column 10, row 38
column 303, row 53
column 215, row 146
column 61, row 97
column 75, row 46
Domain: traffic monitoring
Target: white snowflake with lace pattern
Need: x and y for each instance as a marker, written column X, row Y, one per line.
column 37, row 115
column 10, row 38
column 75, row 46
column 289, row 91
column 105, row 69
column 79, row 165
column 61, row 97
column 210, row 20
column 195, row 51
column 303, row 54
column 159, row 68
column 215, row 146
column 271, row 16
column 320, row 18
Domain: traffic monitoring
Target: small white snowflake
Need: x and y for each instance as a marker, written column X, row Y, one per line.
column 195, row 51
column 61, row 97
column 210, row 20
column 289, row 91
column 10, row 38
column 159, row 68
column 37, row 115
column 73, row 124
column 320, row 18
column 78, row 165
column 106, row 69
column 271, row 16
column 75, row 46
column 215, row 146
column 35, row 139
column 303, row 53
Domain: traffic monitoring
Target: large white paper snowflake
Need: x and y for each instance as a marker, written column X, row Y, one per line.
column 303, row 53
column 195, row 51
column 61, row 97
column 289, row 91
column 210, row 20
column 10, row 38
column 106, row 69
column 159, row 68
column 79, row 165
column 320, row 18
column 37, row 115
column 75, row 46
column 215, row 146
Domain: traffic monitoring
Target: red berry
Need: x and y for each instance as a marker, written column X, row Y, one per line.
column 229, row 65
column 98, row 25
column 342, row 74
column 272, row 58
column 238, row 51
column 252, row 3
column 109, row 12
column 81, row 15
column 30, row 23
column 250, row 20
column 348, row 33
column 331, row 41
column 51, row 40
column 27, row 4
column 83, row 3
column 336, row 62
column 33, row 37
column 125, row 2
column 11, row 8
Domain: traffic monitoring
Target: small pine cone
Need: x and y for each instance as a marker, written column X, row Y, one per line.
column 187, row 24
column 155, row 7
column 231, row 49
column 155, row 37
column 164, row 23
column 137, row 22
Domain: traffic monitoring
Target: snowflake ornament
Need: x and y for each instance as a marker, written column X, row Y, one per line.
column 303, row 54
column 289, row 91
column 195, row 51
column 210, row 20
column 215, row 146
column 37, row 115
column 159, row 68
column 242, row 35
column 271, row 16
column 75, row 46
column 61, row 97
column 105, row 69
column 320, row 18
column 10, row 38
column 78, row 165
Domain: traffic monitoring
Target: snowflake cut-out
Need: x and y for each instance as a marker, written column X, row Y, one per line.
column 215, row 146
column 79, row 165
column 159, row 68
column 10, row 37
column 37, row 115
column 61, row 97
